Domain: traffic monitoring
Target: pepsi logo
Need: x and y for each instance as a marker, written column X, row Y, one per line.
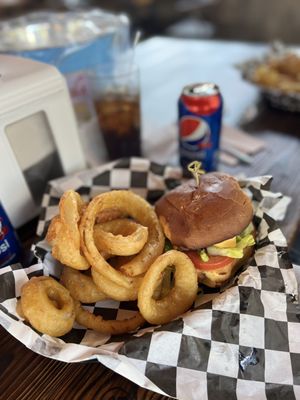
column 3, row 230
column 195, row 131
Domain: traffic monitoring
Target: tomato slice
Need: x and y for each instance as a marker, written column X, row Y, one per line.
column 214, row 262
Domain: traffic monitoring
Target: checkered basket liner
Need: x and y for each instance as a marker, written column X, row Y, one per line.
column 242, row 342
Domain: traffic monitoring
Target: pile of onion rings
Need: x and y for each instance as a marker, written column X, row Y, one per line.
column 110, row 248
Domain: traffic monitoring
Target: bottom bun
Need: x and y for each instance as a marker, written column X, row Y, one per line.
column 218, row 277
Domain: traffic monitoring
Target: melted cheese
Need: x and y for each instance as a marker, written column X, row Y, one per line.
column 229, row 243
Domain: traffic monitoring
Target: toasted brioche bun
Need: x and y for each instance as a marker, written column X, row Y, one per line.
column 218, row 277
column 195, row 217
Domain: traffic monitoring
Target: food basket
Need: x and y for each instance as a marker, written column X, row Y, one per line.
column 287, row 100
column 240, row 342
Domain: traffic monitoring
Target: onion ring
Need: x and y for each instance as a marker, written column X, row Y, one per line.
column 63, row 232
column 47, row 305
column 112, row 327
column 108, row 215
column 139, row 209
column 179, row 298
column 114, row 291
column 122, row 237
column 81, row 286
column 19, row 309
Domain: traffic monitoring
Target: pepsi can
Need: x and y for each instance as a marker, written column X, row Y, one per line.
column 9, row 244
column 200, row 119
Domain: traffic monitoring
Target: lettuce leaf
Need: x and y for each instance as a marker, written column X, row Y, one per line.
column 247, row 231
column 233, row 252
column 246, row 241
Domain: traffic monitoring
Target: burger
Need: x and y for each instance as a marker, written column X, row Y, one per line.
column 210, row 220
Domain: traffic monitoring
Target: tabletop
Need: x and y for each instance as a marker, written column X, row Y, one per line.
column 166, row 66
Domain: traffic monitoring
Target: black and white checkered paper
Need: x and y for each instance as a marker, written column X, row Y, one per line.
column 241, row 343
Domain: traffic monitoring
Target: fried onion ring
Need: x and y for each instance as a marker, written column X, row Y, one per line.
column 63, row 232
column 114, row 291
column 81, row 286
column 108, row 215
column 112, row 327
column 179, row 298
column 140, row 210
column 19, row 309
column 122, row 237
column 48, row 306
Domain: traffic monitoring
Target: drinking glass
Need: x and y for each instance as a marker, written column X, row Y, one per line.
column 116, row 96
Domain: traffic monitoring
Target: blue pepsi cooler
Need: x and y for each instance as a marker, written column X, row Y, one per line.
column 9, row 244
column 200, row 119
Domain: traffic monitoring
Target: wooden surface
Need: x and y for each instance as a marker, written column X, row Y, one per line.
column 27, row 376
column 166, row 65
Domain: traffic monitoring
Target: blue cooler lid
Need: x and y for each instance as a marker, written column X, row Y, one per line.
column 71, row 41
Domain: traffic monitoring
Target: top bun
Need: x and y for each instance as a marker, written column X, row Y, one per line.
column 195, row 217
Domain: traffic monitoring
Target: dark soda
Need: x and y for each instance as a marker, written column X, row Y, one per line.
column 119, row 121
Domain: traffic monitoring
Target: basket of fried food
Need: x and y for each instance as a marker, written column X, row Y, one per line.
column 277, row 74
column 117, row 246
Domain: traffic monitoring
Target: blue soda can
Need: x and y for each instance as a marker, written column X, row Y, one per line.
column 9, row 243
column 200, row 118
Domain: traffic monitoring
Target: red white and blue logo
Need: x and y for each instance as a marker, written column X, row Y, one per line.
column 3, row 230
column 195, row 133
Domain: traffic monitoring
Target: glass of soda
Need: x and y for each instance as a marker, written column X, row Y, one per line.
column 116, row 96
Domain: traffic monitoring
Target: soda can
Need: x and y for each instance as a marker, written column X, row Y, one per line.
column 9, row 244
column 200, row 118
